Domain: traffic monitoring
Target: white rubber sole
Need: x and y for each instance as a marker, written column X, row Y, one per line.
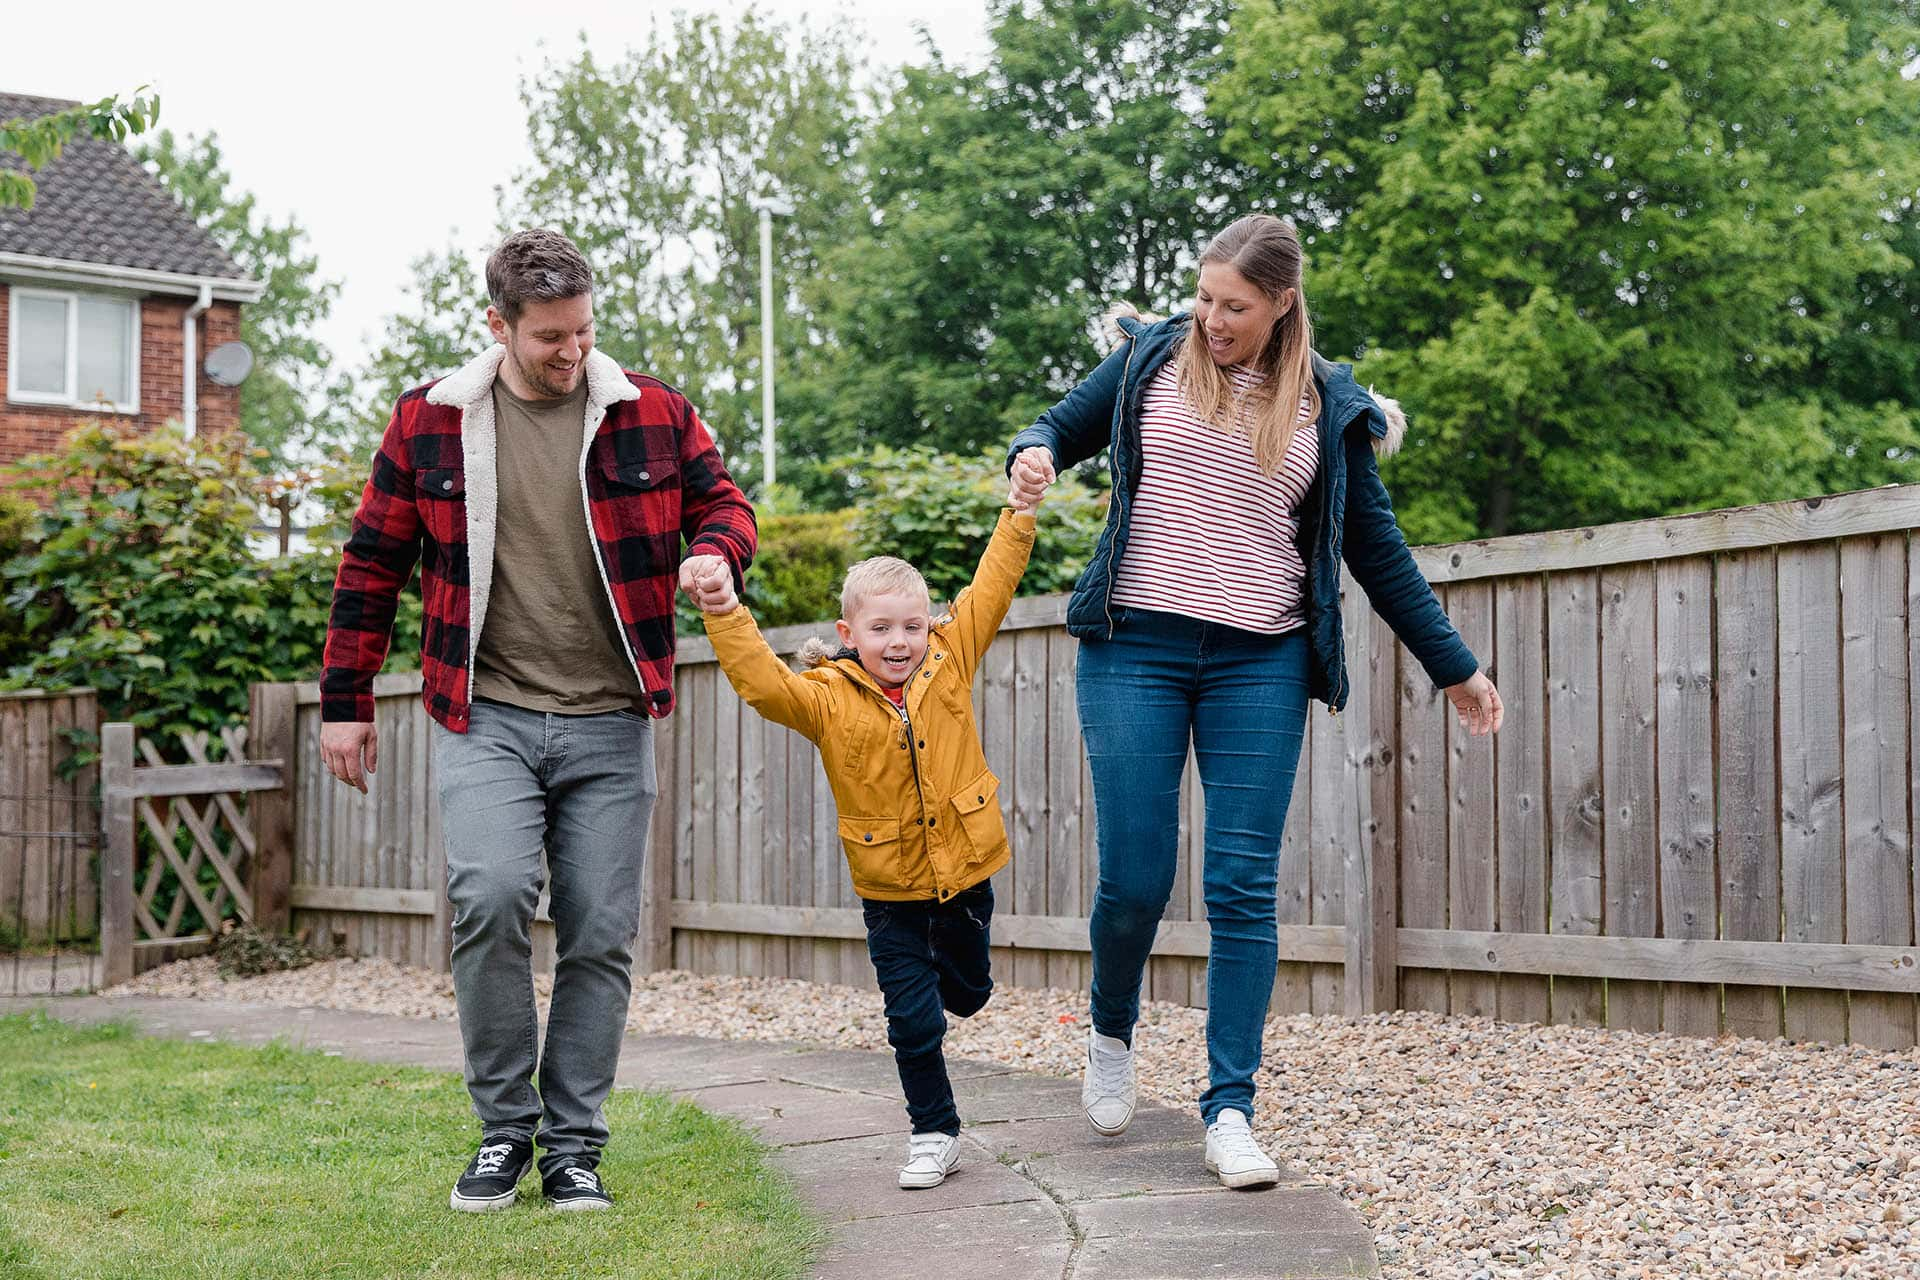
column 1245, row 1181
column 486, row 1204
column 917, row 1181
column 583, row 1205
column 1103, row 1130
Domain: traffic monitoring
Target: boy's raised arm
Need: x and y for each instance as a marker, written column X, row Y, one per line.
column 978, row 612
column 762, row 680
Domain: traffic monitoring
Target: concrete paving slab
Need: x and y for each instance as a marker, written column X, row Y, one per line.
column 1283, row 1234
column 785, row 1113
column 1015, row 1097
column 1131, row 1170
column 1029, row 1241
column 1152, row 1126
column 856, row 1178
column 869, row 1072
column 686, row 1062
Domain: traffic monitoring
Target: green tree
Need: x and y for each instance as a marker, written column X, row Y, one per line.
column 441, row 327
column 279, row 403
column 1014, row 203
column 649, row 164
column 1619, row 260
column 937, row 511
column 38, row 141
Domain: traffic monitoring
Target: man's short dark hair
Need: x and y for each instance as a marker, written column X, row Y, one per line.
column 535, row 266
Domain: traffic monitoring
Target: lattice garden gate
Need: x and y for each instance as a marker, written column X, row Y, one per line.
column 218, row 837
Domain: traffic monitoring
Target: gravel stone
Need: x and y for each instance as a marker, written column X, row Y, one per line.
column 1469, row 1147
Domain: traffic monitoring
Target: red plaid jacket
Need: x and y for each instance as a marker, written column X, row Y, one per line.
column 651, row 477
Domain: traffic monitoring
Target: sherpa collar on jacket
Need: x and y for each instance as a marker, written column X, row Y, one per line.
column 470, row 390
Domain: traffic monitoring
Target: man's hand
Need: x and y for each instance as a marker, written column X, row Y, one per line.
column 345, row 747
column 1028, row 480
column 713, row 591
column 1478, row 704
column 708, row 582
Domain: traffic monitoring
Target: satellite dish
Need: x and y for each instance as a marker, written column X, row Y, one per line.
column 229, row 364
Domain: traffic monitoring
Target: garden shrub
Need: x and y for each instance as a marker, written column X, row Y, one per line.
column 142, row 576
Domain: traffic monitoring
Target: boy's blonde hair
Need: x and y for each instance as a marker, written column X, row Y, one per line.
column 877, row 576
column 874, row 576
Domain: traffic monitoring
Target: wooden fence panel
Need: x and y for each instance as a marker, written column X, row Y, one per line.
column 1068, row 809
column 1876, row 771
column 1029, row 832
column 1520, row 782
column 1748, row 679
column 1323, row 776
column 1573, row 753
column 1423, row 825
column 367, row 873
column 1293, row 891
column 1706, row 776
column 1683, row 643
column 1812, row 841
column 49, row 822
column 1629, row 833
column 1472, row 869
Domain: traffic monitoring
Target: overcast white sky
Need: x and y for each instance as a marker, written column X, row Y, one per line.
column 384, row 128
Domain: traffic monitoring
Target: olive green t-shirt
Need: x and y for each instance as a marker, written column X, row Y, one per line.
column 549, row 641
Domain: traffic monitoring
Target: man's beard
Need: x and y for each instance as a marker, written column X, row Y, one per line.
column 540, row 379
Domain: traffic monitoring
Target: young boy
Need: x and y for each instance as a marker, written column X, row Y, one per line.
column 892, row 714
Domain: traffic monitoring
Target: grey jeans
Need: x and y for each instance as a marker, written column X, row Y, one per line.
column 580, row 789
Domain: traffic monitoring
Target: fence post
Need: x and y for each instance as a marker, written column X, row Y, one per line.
column 116, row 861
column 654, row 951
column 270, row 736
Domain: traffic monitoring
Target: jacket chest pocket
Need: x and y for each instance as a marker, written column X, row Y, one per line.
column 976, row 810
column 643, row 497
column 440, row 494
column 636, row 504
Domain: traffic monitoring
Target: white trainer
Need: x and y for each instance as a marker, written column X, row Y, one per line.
column 1234, row 1156
column 1108, row 1090
column 930, row 1158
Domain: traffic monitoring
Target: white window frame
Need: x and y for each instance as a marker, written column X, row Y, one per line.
column 69, row 399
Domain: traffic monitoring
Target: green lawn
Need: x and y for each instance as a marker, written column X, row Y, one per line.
column 123, row 1157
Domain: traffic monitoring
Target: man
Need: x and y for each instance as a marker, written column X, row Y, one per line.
column 546, row 493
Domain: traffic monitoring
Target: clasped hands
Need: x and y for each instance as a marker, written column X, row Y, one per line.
column 708, row 582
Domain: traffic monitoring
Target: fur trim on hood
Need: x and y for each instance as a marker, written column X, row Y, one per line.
column 1383, row 446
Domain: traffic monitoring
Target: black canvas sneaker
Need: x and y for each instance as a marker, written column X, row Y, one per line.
column 492, row 1175
column 574, row 1186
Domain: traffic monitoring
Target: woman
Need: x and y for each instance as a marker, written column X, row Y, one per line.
column 1243, row 474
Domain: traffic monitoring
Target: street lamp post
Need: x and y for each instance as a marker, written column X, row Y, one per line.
column 768, row 206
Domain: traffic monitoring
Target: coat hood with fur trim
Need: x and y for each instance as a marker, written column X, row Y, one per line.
column 1114, row 330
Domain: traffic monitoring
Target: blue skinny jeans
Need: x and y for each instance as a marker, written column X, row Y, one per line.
column 1165, row 681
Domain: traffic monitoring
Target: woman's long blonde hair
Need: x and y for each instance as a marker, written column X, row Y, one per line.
column 1265, row 250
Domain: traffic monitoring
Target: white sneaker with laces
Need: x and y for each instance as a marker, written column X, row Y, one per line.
column 930, row 1158
column 1108, row 1090
column 1234, row 1156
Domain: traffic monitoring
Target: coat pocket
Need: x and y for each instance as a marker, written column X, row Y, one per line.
column 641, row 474
column 873, row 850
column 440, row 495
column 976, row 807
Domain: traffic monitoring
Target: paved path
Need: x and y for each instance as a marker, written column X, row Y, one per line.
column 1037, row 1196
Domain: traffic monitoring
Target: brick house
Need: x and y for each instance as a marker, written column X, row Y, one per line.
column 110, row 297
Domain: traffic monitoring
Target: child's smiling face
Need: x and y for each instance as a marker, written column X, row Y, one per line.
column 889, row 632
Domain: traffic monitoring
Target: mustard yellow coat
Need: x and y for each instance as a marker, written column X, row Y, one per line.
column 919, row 809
